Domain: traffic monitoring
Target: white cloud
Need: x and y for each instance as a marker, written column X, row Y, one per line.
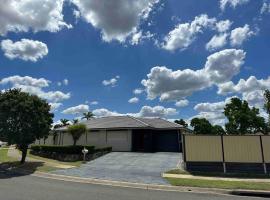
column 138, row 91
column 35, row 86
column 35, row 15
column 76, row 109
column 223, row 26
column 182, row 103
column 103, row 112
column 212, row 111
column 265, row 8
column 25, row 80
column 111, row 82
column 64, row 82
column 240, row 34
column 54, row 106
column 231, row 3
column 217, row 41
column 145, row 111
column 25, row 49
column 94, row 103
column 156, row 111
column 251, row 89
column 116, row 19
column 220, row 67
column 184, row 34
column 135, row 40
column 133, row 100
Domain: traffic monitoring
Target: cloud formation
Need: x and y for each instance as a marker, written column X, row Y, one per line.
column 240, row 34
column 231, row 3
column 133, row 100
column 219, row 68
column 35, row 86
column 82, row 108
column 111, row 82
column 34, row 15
column 25, row 49
column 116, row 19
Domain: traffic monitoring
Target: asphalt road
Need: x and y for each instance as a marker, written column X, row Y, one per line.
column 30, row 187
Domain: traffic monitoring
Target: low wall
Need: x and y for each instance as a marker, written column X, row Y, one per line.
column 228, row 153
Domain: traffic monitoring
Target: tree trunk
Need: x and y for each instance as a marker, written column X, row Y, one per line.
column 24, row 153
column 74, row 142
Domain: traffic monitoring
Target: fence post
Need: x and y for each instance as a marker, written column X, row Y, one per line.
column 223, row 157
column 263, row 161
column 184, row 150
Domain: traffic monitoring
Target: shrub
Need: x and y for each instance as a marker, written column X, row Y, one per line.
column 76, row 131
column 61, row 149
column 104, row 149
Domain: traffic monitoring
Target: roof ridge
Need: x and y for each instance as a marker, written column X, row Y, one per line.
column 134, row 118
column 170, row 121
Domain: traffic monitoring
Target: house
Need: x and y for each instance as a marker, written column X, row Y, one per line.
column 126, row 133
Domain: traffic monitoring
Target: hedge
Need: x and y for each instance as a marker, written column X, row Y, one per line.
column 62, row 149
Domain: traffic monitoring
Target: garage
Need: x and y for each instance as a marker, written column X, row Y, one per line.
column 119, row 140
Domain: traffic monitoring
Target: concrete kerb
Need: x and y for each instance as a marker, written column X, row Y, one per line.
column 140, row 185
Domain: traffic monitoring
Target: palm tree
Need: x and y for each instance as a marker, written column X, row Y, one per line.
column 75, row 121
column 64, row 122
column 88, row 115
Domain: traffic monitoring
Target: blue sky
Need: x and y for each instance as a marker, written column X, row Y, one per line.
column 92, row 56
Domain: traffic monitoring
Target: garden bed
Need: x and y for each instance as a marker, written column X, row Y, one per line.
column 68, row 153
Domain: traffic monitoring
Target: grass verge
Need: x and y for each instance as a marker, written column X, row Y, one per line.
column 217, row 174
column 4, row 156
column 219, row 184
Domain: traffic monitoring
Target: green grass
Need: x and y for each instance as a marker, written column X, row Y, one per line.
column 4, row 157
column 218, row 174
column 219, row 184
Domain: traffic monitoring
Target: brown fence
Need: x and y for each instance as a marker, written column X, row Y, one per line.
column 228, row 153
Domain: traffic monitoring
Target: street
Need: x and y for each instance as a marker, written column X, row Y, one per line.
column 30, row 187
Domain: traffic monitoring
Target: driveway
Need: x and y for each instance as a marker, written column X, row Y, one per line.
column 128, row 167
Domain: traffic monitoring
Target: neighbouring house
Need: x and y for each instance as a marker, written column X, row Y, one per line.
column 126, row 133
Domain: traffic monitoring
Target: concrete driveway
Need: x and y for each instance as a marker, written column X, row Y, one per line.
column 128, row 167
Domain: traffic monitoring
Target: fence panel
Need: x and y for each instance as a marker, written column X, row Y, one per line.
column 203, row 148
column 266, row 148
column 242, row 149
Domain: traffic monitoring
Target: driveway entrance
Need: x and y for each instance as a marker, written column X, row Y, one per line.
column 128, row 167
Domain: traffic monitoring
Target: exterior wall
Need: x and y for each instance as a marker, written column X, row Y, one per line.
column 119, row 140
column 201, row 148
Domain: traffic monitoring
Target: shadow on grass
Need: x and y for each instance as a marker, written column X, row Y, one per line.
column 16, row 169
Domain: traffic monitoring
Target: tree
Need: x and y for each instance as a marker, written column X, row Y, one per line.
column 242, row 119
column 75, row 121
column 267, row 104
column 88, row 115
column 24, row 118
column 181, row 122
column 201, row 126
column 76, row 131
column 64, row 122
column 218, row 130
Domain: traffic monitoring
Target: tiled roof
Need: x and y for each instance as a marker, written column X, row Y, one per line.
column 125, row 122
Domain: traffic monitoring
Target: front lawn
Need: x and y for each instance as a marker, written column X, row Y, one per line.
column 4, row 155
column 219, row 184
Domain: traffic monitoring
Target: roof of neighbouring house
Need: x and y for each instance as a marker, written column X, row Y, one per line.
column 128, row 122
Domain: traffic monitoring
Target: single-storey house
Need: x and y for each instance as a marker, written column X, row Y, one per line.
column 127, row 133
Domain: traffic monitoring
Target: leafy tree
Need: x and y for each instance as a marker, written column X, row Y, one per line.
column 24, row 118
column 76, row 131
column 267, row 104
column 64, row 122
column 75, row 121
column 218, row 130
column 201, row 126
column 181, row 122
column 242, row 119
column 88, row 115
